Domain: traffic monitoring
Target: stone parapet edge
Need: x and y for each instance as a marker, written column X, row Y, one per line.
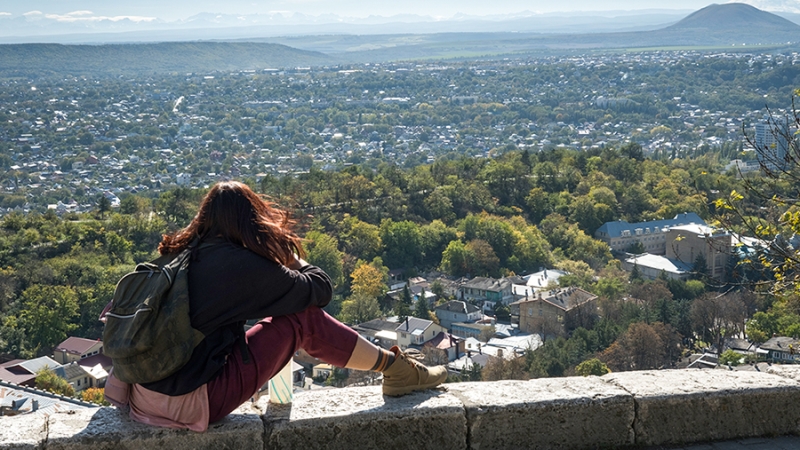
column 626, row 409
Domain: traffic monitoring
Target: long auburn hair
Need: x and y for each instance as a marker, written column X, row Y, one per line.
column 233, row 211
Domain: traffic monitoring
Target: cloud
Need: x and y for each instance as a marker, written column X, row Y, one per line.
column 5, row 14
column 88, row 16
column 33, row 13
column 80, row 13
column 773, row 5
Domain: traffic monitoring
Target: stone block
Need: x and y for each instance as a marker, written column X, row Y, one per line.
column 684, row 406
column 26, row 431
column 547, row 413
column 363, row 418
column 108, row 428
column 787, row 371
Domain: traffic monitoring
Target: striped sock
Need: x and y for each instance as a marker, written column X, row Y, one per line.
column 385, row 359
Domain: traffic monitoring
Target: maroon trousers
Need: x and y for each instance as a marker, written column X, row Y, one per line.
column 272, row 342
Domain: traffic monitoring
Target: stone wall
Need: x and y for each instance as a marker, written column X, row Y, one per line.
column 627, row 409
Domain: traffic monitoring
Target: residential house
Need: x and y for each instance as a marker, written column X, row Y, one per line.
column 323, row 371
column 76, row 375
column 555, row 312
column 782, row 349
column 488, row 291
column 621, row 235
column 397, row 279
column 470, row 330
column 415, row 332
column 76, row 348
column 457, row 311
column 452, row 346
column 418, row 290
column 378, row 331
column 536, row 282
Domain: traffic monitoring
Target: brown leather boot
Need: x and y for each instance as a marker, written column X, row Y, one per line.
column 407, row 374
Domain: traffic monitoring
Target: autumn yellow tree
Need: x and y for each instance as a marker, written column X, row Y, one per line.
column 367, row 281
column 95, row 395
column 367, row 285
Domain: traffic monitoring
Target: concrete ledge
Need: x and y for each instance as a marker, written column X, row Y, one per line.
column 362, row 418
column 557, row 413
column 685, row 406
column 646, row 408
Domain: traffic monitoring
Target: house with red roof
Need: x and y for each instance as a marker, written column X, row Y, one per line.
column 75, row 349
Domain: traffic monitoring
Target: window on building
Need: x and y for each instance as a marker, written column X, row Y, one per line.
column 530, row 311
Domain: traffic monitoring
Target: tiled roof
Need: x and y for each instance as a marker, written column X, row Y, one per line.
column 70, row 371
column 564, row 298
column 48, row 402
column 659, row 262
column 36, row 364
column 487, row 284
column 76, row 345
column 615, row 229
column 441, row 341
column 458, row 306
column 413, row 324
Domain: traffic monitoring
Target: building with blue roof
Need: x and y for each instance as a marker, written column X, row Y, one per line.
column 621, row 235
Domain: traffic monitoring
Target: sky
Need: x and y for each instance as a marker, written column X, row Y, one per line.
column 172, row 10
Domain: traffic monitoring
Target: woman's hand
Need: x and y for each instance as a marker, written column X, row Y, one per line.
column 297, row 264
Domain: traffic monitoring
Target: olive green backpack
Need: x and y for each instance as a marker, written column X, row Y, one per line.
column 148, row 332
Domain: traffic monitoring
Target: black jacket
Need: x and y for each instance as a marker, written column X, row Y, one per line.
column 229, row 285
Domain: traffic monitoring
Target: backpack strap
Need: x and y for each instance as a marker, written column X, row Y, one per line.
column 243, row 348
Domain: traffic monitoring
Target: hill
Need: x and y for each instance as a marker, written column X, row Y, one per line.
column 30, row 59
column 726, row 26
column 734, row 16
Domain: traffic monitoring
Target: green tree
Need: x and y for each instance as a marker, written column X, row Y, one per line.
column 47, row 380
column 592, row 367
column 421, row 308
column 360, row 239
column 322, row 251
column 103, row 205
column 455, row 258
column 731, row 358
column 483, row 261
column 360, row 308
column 402, row 243
column 47, row 315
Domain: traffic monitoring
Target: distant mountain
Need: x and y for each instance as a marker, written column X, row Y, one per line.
column 728, row 26
column 734, row 16
column 181, row 57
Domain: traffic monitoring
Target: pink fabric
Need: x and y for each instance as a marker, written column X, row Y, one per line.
column 271, row 342
column 183, row 411
column 117, row 392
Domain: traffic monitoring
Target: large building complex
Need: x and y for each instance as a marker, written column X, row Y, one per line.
column 621, row 235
